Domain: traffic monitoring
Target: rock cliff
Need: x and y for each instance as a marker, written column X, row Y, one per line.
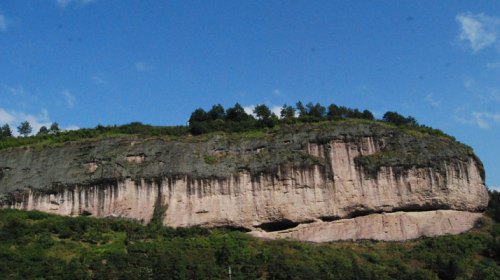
column 307, row 179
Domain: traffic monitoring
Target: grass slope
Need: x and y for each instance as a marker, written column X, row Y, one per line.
column 35, row 245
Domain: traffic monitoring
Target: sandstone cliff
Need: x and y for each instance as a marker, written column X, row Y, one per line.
column 267, row 182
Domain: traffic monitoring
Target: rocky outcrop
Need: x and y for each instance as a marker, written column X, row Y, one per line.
column 398, row 226
column 293, row 176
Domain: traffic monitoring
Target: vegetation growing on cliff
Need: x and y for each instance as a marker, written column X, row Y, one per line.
column 43, row 246
column 217, row 119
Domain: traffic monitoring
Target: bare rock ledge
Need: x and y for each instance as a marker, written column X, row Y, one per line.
column 398, row 226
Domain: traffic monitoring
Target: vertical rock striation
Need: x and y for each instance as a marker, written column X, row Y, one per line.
column 310, row 176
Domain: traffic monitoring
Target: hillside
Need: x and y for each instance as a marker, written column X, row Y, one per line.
column 53, row 247
column 263, row 181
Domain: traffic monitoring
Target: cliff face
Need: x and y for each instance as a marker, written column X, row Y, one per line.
column 309, row 175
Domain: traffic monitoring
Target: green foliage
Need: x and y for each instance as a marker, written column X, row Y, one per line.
column 236, row 120
column 5, row 132
column 43, row 246
column 217, row 119
column 209, row 159
column 287, row 114
column 311, row 112
column 55, row 136
column 494, row 205
column 54, row 128
column 43, row 131
column 341, row 112
column 265, row 118
column 25, row 128
column 397, row 119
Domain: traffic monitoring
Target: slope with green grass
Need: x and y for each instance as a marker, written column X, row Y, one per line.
column 42, row 246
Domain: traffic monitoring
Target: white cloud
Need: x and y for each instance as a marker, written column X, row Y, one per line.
column 142, row 66
column 277, row 92
column 69, row 98
column 479, row 120
column 249, row 109
column 14, row 118
column 71, row 127
column 6, row 117
column 65, row 3
column 276, row 110
column 483, row 120
column 3, row 23
column 496, row 188
column 479, row 30
column 432, row 101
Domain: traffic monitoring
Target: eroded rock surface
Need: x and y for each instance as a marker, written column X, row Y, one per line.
column 292, row 176
column 398, row 226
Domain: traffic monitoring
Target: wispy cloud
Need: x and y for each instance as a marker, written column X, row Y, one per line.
column 142, row 66
column 480, row 120
column 65, row 3
column 432, row 101
column 3, row 23
column 99, row 79
column 483, row 120
column 17, row 91
column 478, row 30
column 277, row 92
column 69, row 99
column 495, row 94
column 469, row 83
column 17, row 95
column 484, row 94
column 493, row 65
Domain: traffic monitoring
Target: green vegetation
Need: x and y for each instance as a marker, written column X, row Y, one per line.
column 217, row 119
column 24, row 129
column 43, row 246
column 55, row 136
column 235, row 119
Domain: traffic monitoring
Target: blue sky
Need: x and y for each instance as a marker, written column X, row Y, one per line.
column 88, row 62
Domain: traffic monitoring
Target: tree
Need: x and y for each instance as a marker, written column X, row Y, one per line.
column 5, row 131
column 25, row 128
column 368, row 115
column 311, row 112
column 199, row 115
column 43, row 131
column 265, row 116
column 217, row 112
column 316, row 111
column 54, row 128
column 334, row 112
column 287, row 114
column 237, row 113
column 302, row 110
column 262, row 112
column 397, row 119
